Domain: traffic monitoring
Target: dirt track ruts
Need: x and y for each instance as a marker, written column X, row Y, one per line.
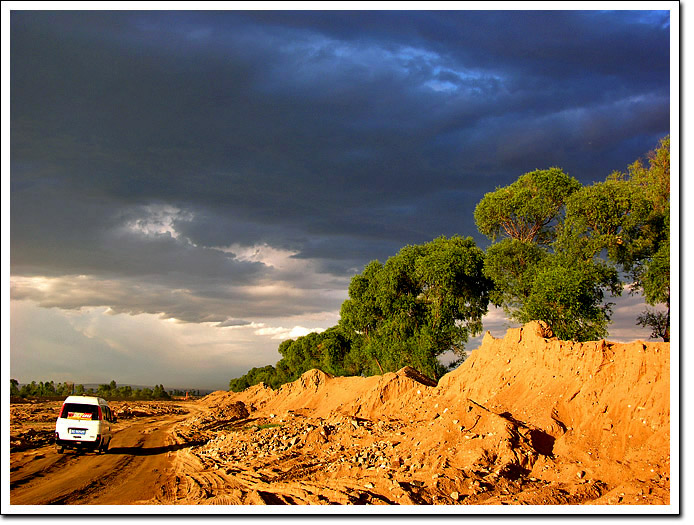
column 135, row 470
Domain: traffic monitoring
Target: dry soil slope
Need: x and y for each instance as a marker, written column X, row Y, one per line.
column 555, row 410
column 605, row 404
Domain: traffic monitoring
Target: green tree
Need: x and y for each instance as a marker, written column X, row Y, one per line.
column 360, row 314
column 528, row 209
column 29, row 390
column 326, row 351
column 333, row 348
column 104, row 390
column 424, row 301
column 64, row 389
column 569, row 296
column 603, row 218
column 14, row 387
column 162, row 393
column 626, row 219
column 658, row 322
column 534, row 279
column 124, row 391
column 512, row 265
column 144, row 393
column 650, row 265
column 266, row 375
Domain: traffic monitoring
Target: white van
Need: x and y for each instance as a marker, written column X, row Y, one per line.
column 84, row 423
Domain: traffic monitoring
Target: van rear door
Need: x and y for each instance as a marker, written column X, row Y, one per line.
column 82, row 420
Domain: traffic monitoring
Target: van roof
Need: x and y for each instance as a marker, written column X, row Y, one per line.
column 87, row 400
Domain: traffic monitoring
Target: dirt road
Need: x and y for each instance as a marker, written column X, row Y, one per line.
column 134, row 471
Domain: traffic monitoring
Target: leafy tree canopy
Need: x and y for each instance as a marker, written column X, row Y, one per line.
column 568, row 295
column 424, row 301
column 533, row 278
column 512, row 265
column 328, row 351
column 626, row 219
column 527, row 209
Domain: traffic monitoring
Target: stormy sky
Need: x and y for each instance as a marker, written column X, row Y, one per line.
column 190, row 188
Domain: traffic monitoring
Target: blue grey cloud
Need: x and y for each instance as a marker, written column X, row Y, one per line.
column 336, row 136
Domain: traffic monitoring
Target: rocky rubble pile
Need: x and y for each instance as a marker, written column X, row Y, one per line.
column 31, row 438
column 128, row 410
column 35, row 412
column 32, row 425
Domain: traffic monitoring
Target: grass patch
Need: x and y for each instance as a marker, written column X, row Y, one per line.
column 268, row 425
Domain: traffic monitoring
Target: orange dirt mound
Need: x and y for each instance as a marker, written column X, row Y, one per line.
column 604, row 403
column 527, row 418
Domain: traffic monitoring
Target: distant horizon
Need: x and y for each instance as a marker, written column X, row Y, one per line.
column 96, row 385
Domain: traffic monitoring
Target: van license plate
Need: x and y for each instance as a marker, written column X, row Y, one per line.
column 78, row 431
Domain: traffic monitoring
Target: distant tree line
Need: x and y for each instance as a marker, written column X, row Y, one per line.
column 41, row 389
column 107, row 391
column 558, row 250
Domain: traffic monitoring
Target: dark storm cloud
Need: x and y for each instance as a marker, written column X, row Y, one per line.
column 64, row 235
column 337, row 136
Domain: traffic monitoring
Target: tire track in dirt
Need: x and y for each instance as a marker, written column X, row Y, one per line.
column 133, row 471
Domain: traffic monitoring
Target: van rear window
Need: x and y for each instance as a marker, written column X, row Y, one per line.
column 80, row 412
